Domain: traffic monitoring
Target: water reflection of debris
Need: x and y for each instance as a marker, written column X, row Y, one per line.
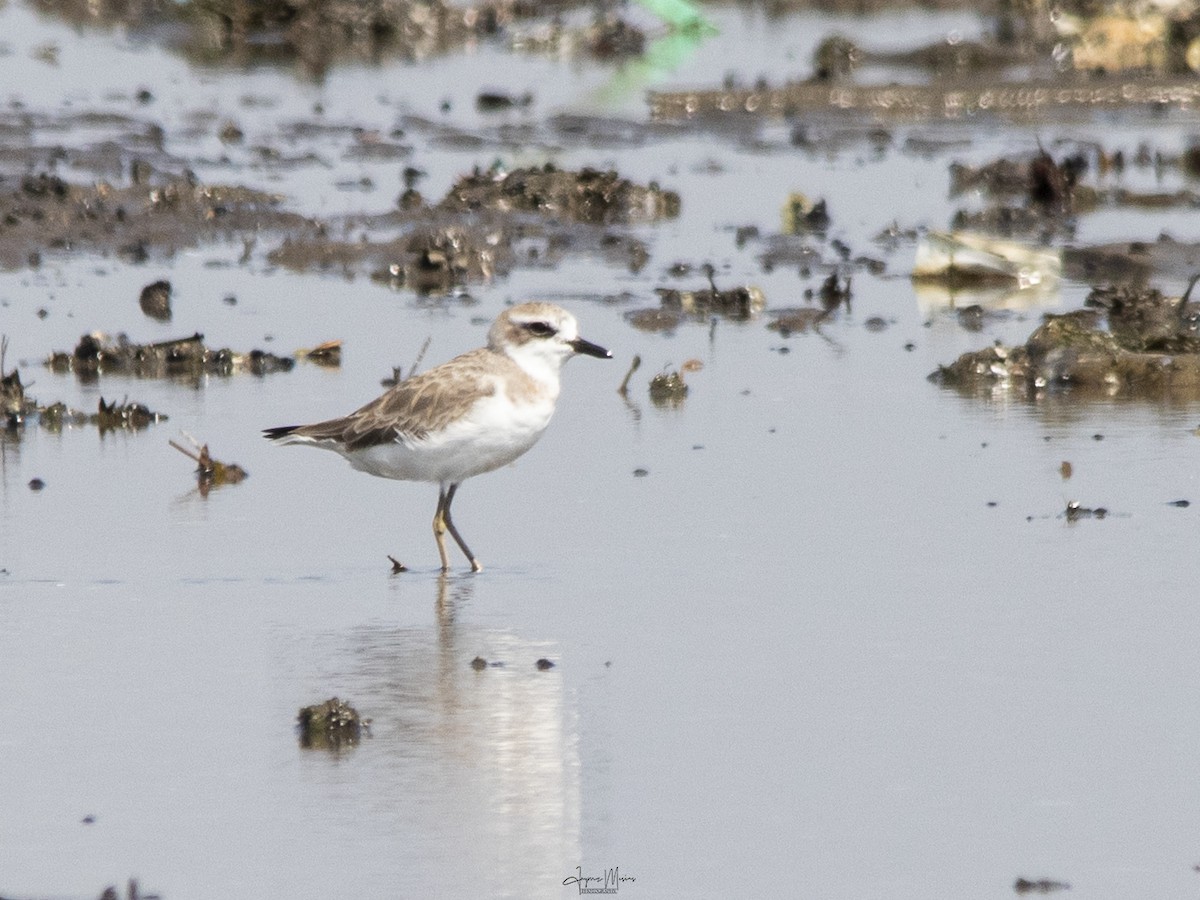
column 959, row 269
column 99, row 354
column 18, row 408
column 833, row 295
column 328, row 354
column 739, row 302
column 668, row 388
column 675, row 306
column 1039, row 886
column 965, row 259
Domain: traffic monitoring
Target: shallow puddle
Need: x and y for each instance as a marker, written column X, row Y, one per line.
column 820, row 627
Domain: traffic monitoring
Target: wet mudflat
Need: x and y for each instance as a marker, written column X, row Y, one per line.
column 819, row 625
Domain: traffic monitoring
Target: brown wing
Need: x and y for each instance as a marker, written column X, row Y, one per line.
column 413, row 408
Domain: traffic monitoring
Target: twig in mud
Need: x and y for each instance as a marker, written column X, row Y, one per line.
column 1184, row 299
column 184, row 450
column 420, row 356
column 398, row 371
column 633, row 367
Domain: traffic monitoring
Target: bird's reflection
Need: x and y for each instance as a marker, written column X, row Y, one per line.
column 475, row 763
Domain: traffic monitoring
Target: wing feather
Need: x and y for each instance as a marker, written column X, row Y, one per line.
column 416, row 406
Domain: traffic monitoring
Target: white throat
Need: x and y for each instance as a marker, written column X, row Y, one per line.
column 540, row 361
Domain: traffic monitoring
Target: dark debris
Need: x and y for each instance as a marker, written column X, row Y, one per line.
column 98, row 354
column 332, row 725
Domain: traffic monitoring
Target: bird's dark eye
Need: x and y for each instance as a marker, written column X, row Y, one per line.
column 541, row 329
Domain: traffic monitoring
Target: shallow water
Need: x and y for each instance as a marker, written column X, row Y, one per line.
column 839, row 640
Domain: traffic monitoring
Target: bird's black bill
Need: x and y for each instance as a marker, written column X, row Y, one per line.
column 579, row 345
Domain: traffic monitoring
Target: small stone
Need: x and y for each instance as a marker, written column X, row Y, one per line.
column 230, row 133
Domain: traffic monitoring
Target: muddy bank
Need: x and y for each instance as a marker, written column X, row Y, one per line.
column 44, row 214
column 1034, row 60
column 1128, row 343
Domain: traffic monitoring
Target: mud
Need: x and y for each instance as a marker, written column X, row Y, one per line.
column 1039, row 886
column 316, row 34
column 1128, row 343
column 668, row 389
column 140, row 213
column 590, row 196
column 46, row 215
column 333, row 725
column 797, row 321
column 210, row 473
column 487, row 225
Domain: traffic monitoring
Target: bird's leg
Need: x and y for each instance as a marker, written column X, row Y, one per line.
column 439, row 527
column 449, row 523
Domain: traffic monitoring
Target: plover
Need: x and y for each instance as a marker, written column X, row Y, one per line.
column 465, row 417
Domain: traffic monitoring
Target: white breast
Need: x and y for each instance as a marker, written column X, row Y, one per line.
column 493, row 433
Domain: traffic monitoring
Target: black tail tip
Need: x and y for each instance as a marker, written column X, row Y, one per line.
column 282, row 431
